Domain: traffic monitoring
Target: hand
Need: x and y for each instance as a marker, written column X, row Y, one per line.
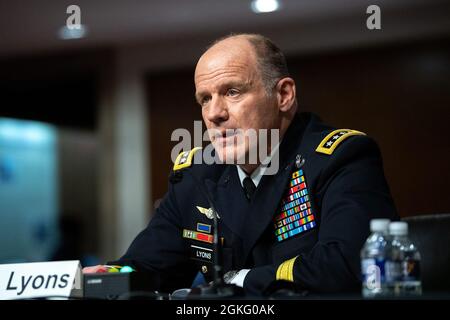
column 95, row 269
column 236, row 277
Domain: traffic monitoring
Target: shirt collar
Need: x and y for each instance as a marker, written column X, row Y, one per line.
column 255, row 176
column 258, row 173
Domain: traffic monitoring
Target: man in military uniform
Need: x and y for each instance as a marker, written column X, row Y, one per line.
column 303, row 225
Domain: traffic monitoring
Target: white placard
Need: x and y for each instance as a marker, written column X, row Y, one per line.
column 40, row 279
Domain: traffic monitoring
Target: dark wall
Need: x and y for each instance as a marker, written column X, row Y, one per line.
column 172, row 105
column 60, row 88
column 398, row 94
column 401, row 97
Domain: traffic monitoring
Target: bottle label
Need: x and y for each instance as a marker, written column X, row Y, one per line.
column 393, row 271
column 373, row 272
column 411, row 270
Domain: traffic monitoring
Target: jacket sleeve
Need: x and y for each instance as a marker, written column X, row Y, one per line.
column 159, row 250
column 350, row 191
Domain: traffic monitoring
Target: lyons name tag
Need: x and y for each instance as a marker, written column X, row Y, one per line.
column 40, row 279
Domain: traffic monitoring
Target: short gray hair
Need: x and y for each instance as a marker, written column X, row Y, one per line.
column 271, row 60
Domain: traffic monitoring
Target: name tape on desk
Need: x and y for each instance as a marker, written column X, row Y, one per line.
column 40, row 279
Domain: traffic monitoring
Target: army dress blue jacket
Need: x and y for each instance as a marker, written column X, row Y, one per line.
column 306, row 224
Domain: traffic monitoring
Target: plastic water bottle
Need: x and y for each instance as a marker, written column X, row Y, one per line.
column 403, row 265
column 373, row 258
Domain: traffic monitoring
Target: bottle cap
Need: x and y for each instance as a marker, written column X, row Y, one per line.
column 379, row 225
column 398, row 228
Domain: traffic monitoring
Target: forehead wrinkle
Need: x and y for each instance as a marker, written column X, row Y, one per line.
column 223, row 70
column 224, row 78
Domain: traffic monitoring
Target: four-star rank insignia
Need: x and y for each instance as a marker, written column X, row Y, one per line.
column 295, row 215
column 334, row 138
column 184, row 159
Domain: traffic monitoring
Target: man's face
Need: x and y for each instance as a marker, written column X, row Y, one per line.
column 231, row 93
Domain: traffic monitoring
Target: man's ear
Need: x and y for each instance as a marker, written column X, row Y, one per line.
column 286, row 93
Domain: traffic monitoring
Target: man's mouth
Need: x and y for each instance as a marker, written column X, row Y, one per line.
column 226, row 136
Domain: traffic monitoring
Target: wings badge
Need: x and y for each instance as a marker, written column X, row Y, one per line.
column 208, row 212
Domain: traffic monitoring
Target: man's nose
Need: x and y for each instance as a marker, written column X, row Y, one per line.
column 217, row 110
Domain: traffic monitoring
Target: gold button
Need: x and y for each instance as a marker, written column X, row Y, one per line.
column 204, row 269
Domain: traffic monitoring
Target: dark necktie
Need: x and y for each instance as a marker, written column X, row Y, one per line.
column 249, row 187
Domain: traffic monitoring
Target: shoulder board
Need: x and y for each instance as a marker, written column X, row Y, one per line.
column 184, row 159
column 334, row 138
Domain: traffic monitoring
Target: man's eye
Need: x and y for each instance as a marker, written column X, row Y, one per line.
column 232, row 92
column 205, row 100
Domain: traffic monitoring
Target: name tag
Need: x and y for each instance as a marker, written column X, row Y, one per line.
column 201, row 253
column 40, row 279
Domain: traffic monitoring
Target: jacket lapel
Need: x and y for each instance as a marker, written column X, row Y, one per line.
column 263, row 207
column 227, row 196
column 271, row 189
